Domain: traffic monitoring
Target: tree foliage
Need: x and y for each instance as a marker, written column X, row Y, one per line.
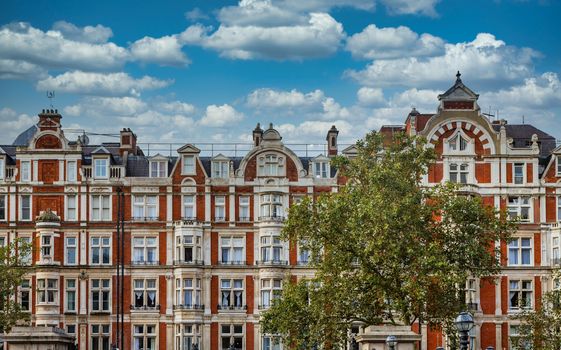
column 385, row 248
column 12, row 272
column 540, row 329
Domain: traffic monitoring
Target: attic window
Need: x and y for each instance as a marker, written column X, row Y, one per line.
column 100, row 168
column 220, row 169
column 188, row 165
column 271, row 165
column 558, row 165
column 458, row 143
column 158, row 168
column 321, row 170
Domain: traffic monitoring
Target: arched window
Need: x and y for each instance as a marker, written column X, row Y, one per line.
column 458, row 143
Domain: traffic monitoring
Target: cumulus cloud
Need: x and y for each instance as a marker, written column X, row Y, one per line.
column 196, row 14
column 15, row 69
column 314, row 129
column 220, row 116
column 375, row 43
column 106, row 106
column 484, row 60
column 100, row 84
column 89, row 34
column 368, row 96
column 165, row 51
column 21, row 42
column 13, row 123
column 177, row 107
column 320, row 36
column 411, row 7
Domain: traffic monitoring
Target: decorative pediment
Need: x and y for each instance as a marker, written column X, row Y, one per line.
column 48, row 141
column 220, row 157
column 188, row 148
column 158, row 157
column 101, row 150
column 458, row 92
column 321, row 158
column 350, row 151
column 101, row 189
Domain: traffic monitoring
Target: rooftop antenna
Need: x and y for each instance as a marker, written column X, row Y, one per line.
column 522, row 118
column 51, row 96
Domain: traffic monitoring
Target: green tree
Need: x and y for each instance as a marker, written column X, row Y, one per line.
column 12, row 271
column 385, row 248
column 540, row 329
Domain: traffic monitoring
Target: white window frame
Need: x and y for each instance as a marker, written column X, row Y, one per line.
column 458, row 173
column 141, row 204
column 559, row 208
column 185, row 287
column 70, row 290
column 71, row 210
column 144, row 287
column 518, row 206
column 186, row 241
column 219, row 208
column 271, row 248
column 519, row 289
column 244, row 213
column 100, row 290
column 234, row 287
column 144, row 244
column 145, row 336
column 3, row 207
column 517, row 248
column 103, row 334
column 321, row 169
column 271, row 288
column 187, row 168
column 271, row 165
column 101, row 247
column 186, row 204
column 2, row 168
column 304, row 255
column 556, row 250
column 101, row 168
column 25, row 167
column 220, row 169
column 25, row 287
column 26, row 260
column 520, row 177
column 46, row 246
column 271, row 206
column 187, row 335
column 71, row 171
column 558, row 159
column 232, row 335
column 66, row 249
column 21, row 208
column 47, row 291
column 232, row 245
column 271, row 342
column 98, row 202
column 161, row 168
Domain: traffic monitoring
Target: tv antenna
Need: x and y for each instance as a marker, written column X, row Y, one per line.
column 51, row 96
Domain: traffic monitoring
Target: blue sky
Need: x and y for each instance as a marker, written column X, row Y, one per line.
column 203, row 71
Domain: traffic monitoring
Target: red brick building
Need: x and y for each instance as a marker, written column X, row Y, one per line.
column 202, row 252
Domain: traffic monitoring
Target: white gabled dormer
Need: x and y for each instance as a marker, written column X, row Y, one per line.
column 158, row 166
column 100, row 163
column 189, row 155
column 2, row 164
column 320, row 167
column 220, row 167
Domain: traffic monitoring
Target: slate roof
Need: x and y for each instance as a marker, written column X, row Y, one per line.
column 26, row 136
column 521, row 135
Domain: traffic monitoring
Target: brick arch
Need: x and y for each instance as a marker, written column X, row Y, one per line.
column 250, row 171
column 48, row 141
column 483, row 142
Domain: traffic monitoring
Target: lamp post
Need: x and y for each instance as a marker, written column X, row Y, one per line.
column 391, row 340
column 464, row 323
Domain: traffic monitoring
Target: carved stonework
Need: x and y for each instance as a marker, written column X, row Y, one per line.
column 49, row 171
column 48, row 142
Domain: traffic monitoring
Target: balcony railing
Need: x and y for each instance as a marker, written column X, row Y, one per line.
column 187, row 221
column 188, row 307
column 191, row 262
column 472, row 306
column 219, row 219
column 144, row 218
column 145, row 262
column 272, row 262
column 233, row 262
column 244, row 219
column 231, row 307
column 272, row 218
column 145, row 308
column 303, row 262
column 10, row 174
column 115, row 172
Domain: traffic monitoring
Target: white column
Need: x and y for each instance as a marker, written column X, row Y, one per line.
column 424, row 337
column 170, row 241
column 169, row 294
column 206, row 337
column 83, row 248
column 83, row 298
column 207, row 203
column 35, row 170
column 83, row 204
column 498, row 336
column 498, row 310
column 232, row 207
column 169, row 205
column 206, row 292
column 13, row 207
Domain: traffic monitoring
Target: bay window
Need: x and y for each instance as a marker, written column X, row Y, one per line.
column 188, row 249
column 187, row 336
column 47, row 291
column 271, row 249
column 144, row 337
column 271, row 288
column 188, row 293
column 271, row 206
column 231, row 336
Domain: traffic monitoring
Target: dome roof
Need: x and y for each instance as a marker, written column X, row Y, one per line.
column 26, row 136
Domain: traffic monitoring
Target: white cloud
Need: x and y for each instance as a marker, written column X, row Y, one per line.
column 426, row 100
column 485, row 59
column 21, row 42
column 165, row 51
column 16, row 69
column 312, row 129
column 410, row 7
column 177, row 107
column 368, row 96
column 106, row 106
column 154, row 118
column 100, row 84
column 196, row 14
column 320, row 36
column 390, row 42
column 89, row 34
column 13, row 124
column 220, row 116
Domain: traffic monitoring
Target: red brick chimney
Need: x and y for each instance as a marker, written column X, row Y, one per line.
column 332, row 141
column 128, row 142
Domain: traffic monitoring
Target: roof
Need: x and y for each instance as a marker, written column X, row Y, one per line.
column 26, row 136
column 521, row 135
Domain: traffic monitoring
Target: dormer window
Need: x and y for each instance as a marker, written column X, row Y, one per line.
column 558, row 165
column 458, row 143
column 271, row 165
column 189, row 165
column 158, row 168
column 101, row 166
column 25, row 171
column 321, row 170
column 220, row 169
column 2, row 167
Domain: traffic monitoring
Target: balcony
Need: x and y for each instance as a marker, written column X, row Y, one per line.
column 231, row 307
column 10, row 174
column 188, row 307
column 115, row 172
column 303, row 262
column 272, row 262
column 145, row 308
column 189, row 263
column 145, row 262
column 279, row 219
column 244, row 219
column 144, row 218
column 233, row 262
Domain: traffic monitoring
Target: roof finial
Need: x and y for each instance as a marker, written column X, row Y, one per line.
column 458, row 75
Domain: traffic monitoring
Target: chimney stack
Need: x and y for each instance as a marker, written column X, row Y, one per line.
column 257, row 135
column 332, row 141
column 128, row 142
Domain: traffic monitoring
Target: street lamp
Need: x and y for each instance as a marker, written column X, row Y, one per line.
column 464, row 323
column 391, row 340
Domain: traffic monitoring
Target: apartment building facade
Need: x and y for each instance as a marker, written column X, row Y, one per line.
column 203, row 255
